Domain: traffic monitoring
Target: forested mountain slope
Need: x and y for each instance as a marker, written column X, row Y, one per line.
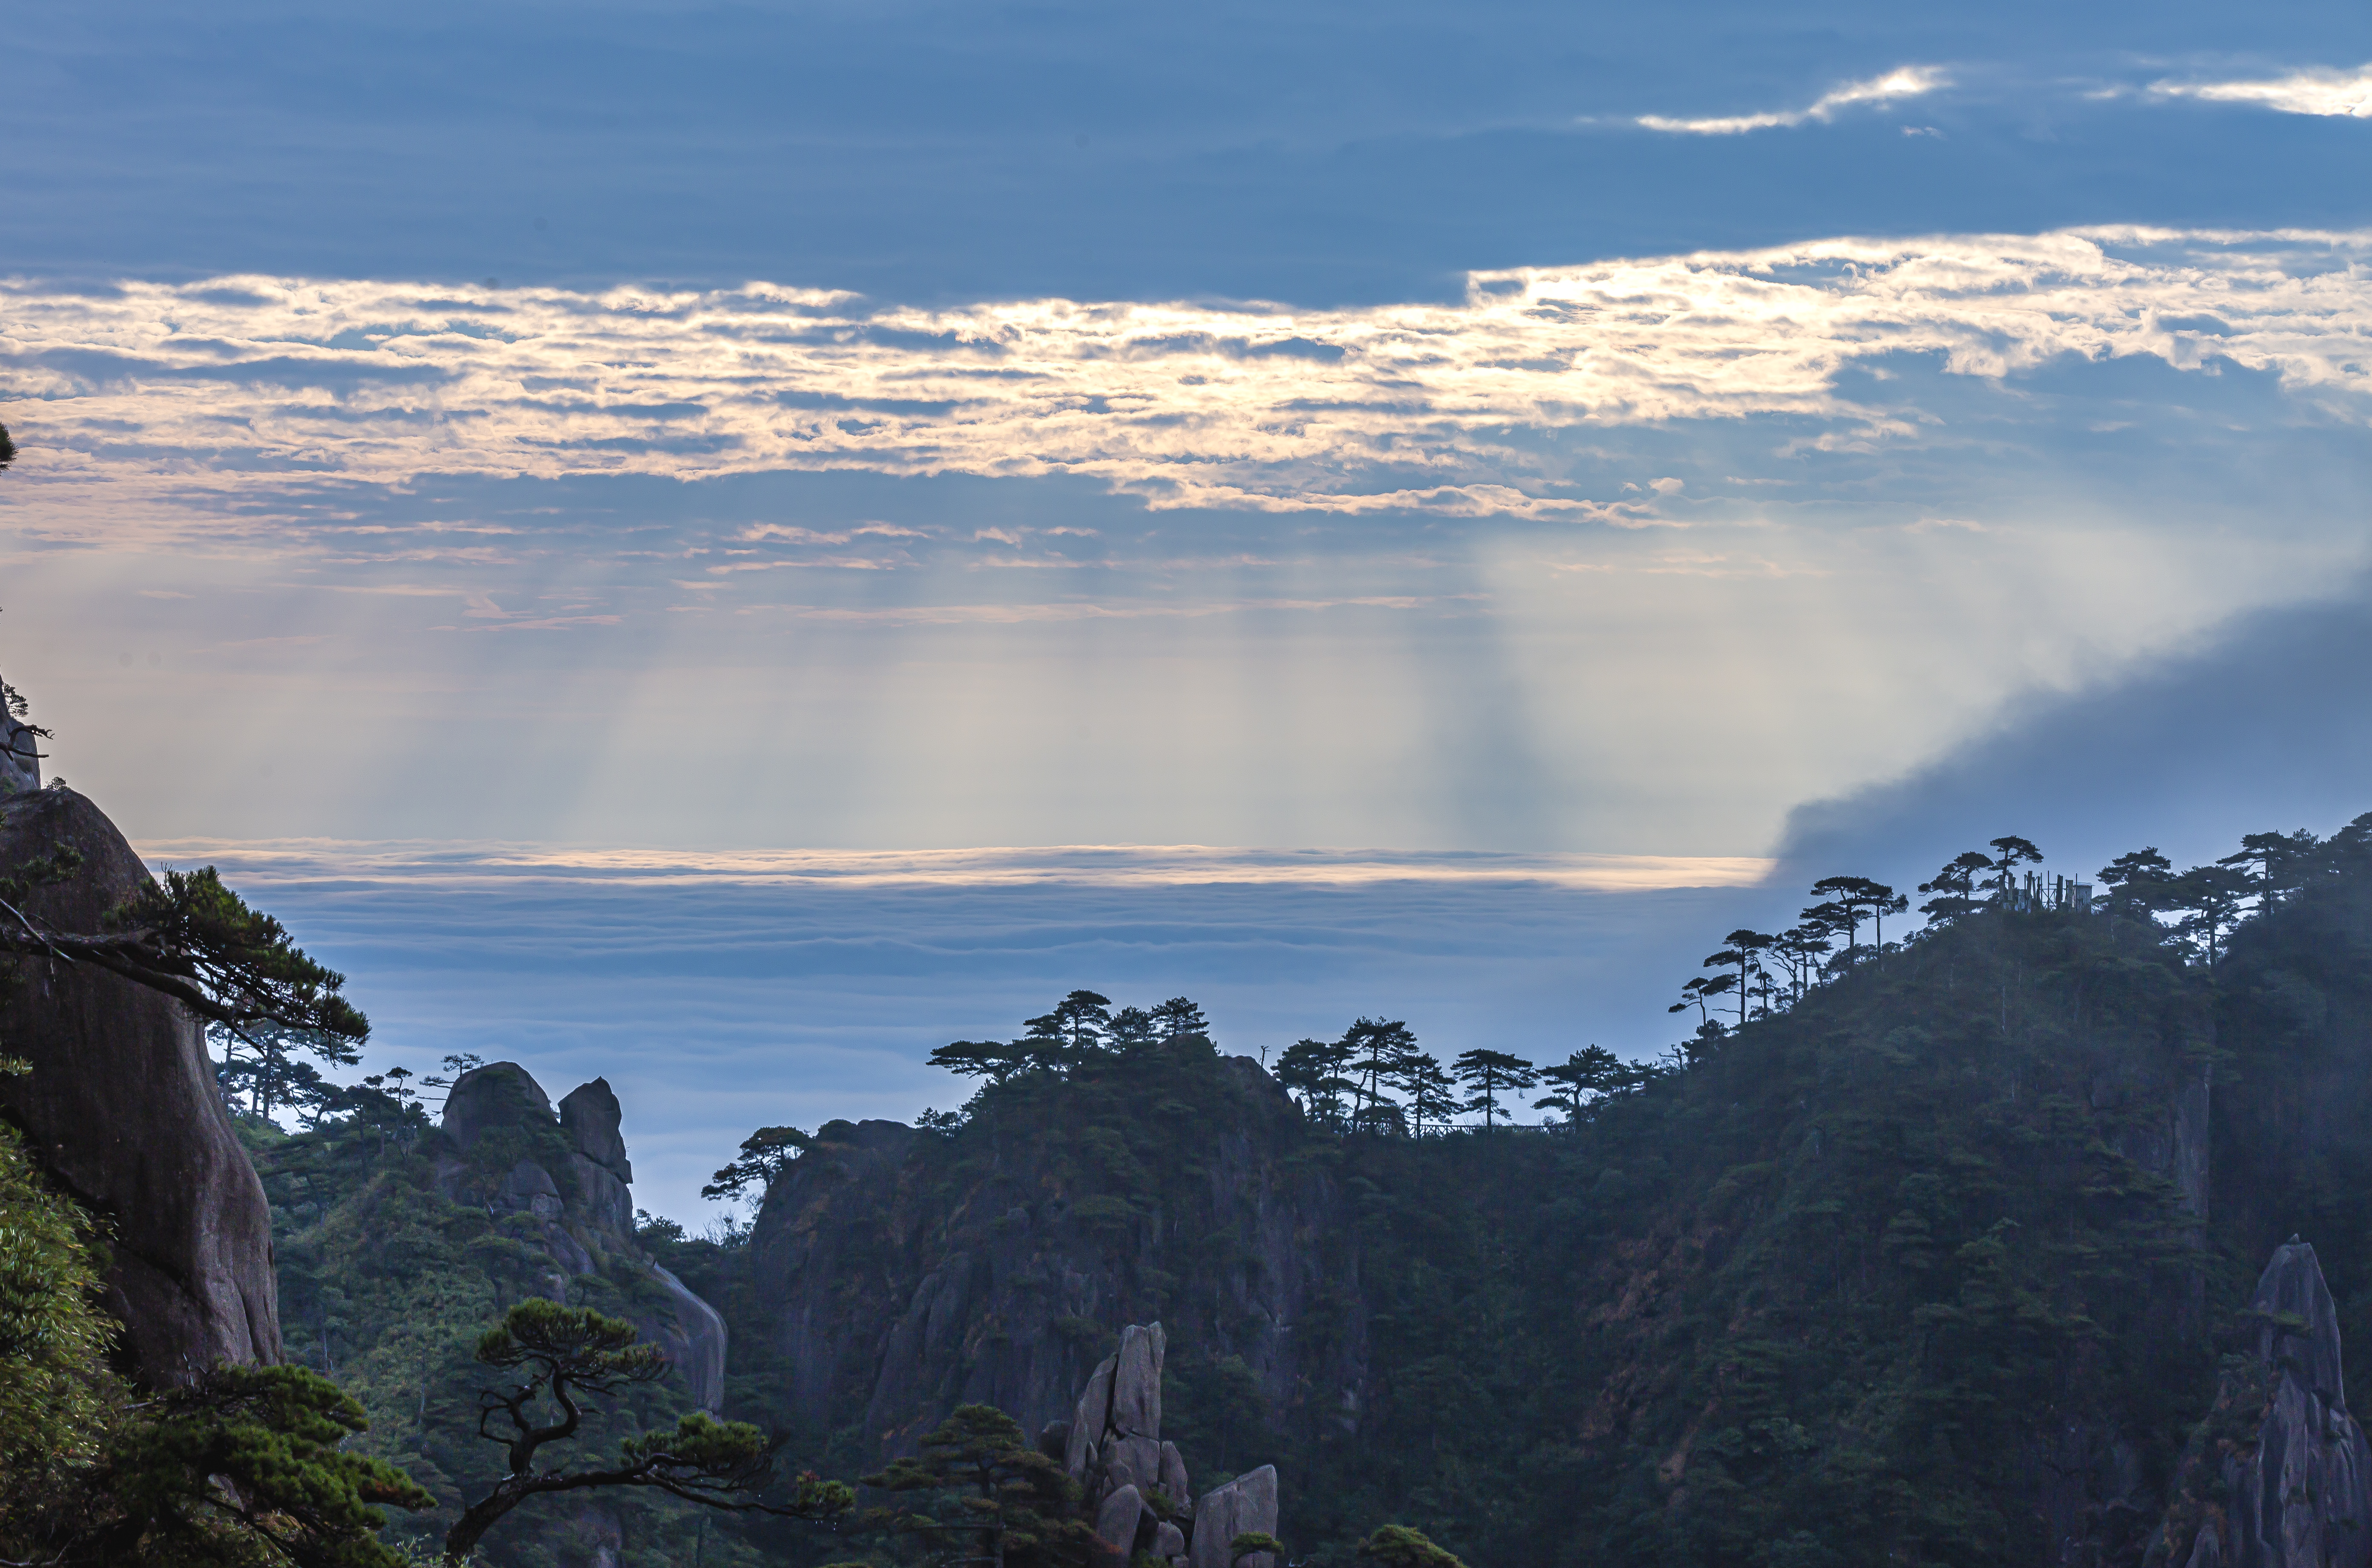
column 1930, row 1267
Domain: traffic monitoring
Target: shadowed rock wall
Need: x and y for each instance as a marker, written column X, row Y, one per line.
column 121, row 1107
column 892, row 1297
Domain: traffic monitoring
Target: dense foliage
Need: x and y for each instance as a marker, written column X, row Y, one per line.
column 242, row 1468
column 1919, row 1262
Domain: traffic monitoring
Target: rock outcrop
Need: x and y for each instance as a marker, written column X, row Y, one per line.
column 120, row 1108
column 2280, row 1475
column 567, row 1173
column 1137, row 1484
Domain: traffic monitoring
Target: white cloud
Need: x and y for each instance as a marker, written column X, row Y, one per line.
column 1903, row 82
column 2320, row 92
column 122, row 400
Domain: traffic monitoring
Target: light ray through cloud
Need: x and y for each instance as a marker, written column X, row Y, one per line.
column 1903, row 82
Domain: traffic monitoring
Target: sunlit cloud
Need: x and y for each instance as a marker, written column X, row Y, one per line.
column 2322, row 91
column 156, row 408
column 1903, row 82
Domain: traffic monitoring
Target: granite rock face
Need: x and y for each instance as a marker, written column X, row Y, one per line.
column 570, row 1178
column 21, row 759
column 890, row 1306
column 120, row 1108
column 2299, row 1495
column 1245, row 1504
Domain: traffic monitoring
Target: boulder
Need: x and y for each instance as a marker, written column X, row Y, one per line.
column 1169, row 1541
column 500, row 1094
column 1117, row 1520
column 1245, row 1503
column 120, row 1109
column 1132, row 1461
column 1173, row 1481
column 1136, row 1381
column 590, row 1116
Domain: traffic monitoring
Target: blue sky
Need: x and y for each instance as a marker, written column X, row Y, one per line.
column 1809, row 433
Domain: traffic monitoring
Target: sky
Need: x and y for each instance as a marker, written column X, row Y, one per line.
column 724, row 546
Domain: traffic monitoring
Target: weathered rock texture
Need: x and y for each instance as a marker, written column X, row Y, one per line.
column 891, row 1299
column 21, row 757
column 1112, row 1446
column 120, row 1108
column 512, row 1154
column 2279, row 1475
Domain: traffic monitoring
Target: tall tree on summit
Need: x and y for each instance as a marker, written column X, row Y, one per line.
column 2280, row 859
column 1745, row 949
column 1313, row 1069
column 2010, row 852
column 1955, row 888
column 1432, row 1095
column 1490, row 1074
column 1378, row 1049
column 1179, row 1017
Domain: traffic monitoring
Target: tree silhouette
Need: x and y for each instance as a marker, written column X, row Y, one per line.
column 1699, row 994
column 1745, row 951
column 766, row 1157
column 990, row 1059
column 1955, row 888
column 1378, row 1049
column 1583, row 1077
column 2282, row 862
column 1431, row 1097
column 1178, row 1017
column 2010, row 852
column 2210, row 897
column 1490, row 1074
column 1313, row 1069
column 2142, row 881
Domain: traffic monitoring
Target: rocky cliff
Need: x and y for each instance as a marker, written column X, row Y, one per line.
column 566, row 1174
column 898, row 1272
column 2279, row 1475
column 121, row 1107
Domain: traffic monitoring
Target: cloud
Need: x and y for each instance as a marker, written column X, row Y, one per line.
column 1423, row 408
column 1903, row 82
column 2261, row 724
column 2320, row 92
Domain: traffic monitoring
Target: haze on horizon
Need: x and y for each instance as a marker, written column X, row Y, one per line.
column 1827, row 434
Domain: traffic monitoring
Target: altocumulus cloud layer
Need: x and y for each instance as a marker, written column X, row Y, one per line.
column 146, row 395
column 1630, row 555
